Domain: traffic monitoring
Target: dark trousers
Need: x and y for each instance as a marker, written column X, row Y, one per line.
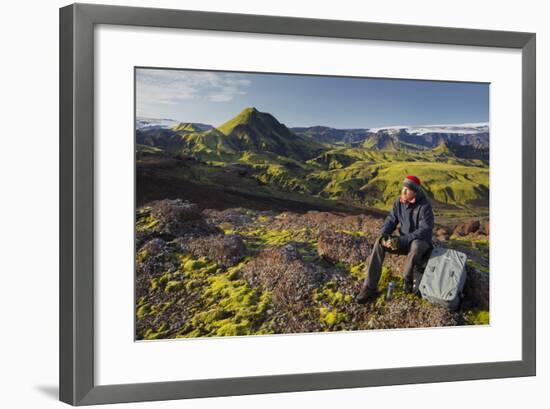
column 415, row 256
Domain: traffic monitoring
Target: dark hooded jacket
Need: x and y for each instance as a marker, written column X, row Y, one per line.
column 416, row 220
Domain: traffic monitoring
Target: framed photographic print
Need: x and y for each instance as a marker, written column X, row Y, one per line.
column 294, row 199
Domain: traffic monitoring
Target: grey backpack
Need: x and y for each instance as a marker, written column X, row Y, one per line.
column 444, row 277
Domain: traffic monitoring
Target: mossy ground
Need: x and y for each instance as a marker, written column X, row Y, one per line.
column 215, row 302
column 202, row 299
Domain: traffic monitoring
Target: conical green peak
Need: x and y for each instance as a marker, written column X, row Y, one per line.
column 245, row 117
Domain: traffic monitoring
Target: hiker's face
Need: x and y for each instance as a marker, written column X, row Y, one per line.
column 407, row 193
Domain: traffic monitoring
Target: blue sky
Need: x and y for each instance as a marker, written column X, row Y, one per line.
column 214, row 97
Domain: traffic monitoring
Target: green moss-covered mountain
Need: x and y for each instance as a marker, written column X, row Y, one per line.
column 250, row 131
column 256, row 131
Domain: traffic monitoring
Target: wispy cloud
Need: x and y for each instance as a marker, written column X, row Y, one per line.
column 155, row 86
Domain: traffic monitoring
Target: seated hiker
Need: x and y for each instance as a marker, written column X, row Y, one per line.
column 413, row 211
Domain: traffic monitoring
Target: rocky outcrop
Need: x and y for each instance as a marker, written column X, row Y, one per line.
column 320, row 221
column 282, row 271
column 152, row 259
column 236, row 217
column 412, row 313
column 476, row 289
column 441, row 233
column 472, row 226
column 341, row 247
column 226, row 250
column 179, row 218
column 485, row 227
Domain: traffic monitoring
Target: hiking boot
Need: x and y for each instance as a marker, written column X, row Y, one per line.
column 366, row 295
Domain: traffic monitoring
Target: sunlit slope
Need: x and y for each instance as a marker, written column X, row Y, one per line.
column 377, row 184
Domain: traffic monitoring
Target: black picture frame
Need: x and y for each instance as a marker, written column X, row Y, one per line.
column 76, row 273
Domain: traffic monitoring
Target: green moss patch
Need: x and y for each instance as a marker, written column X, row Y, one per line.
column 233, row 308
column 476, row 317
column 215, row 302
column 158, row 332
column 330, row 318
column 173, row 286
column 358, row 271
column 143, row 311
column 330, row 295
column 144, row 220
column 192, row 265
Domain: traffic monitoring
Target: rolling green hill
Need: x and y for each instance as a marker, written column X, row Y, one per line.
column 378, row 184
column 383, row 141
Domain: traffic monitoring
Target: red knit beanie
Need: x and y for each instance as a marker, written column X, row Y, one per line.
column 412, row 182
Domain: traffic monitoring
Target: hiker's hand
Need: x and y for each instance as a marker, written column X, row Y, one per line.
column 394, row 243
column 386, row 241
column 391, row 242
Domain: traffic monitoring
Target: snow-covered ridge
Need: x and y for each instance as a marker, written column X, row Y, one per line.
column 467, row 128
column 155, row 122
